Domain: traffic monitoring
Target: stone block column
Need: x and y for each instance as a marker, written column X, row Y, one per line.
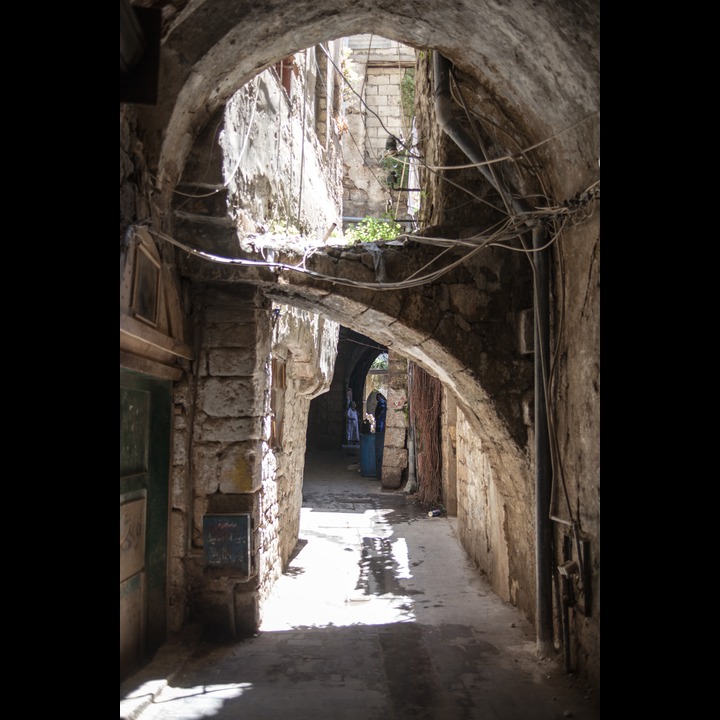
column 395, row 459
column 231, row 466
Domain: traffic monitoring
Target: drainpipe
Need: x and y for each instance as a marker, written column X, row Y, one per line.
column 443, row 112
column 543, row 468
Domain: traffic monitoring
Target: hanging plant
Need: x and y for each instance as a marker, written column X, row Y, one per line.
column 425, row 399
column 372, row 229
column 395, row 166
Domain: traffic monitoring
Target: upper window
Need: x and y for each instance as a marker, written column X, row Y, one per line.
column 285, row 69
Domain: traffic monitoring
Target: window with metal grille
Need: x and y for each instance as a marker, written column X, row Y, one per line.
column 285, row 70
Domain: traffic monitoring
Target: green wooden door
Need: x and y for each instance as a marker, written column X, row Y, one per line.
column 145, row 419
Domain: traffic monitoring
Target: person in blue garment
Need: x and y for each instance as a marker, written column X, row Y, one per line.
column 380, row 417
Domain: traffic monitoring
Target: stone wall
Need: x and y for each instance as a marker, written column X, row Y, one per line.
column 229, row 467
column 395, row 455
column 307, row 343
column 495, row 520
column 223, row 462
column 374, row 112
column 283, row 166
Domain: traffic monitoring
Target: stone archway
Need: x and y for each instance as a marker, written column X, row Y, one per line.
column 537, row 66
column 209, row 52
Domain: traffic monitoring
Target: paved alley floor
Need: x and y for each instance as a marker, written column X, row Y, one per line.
column 380, row 615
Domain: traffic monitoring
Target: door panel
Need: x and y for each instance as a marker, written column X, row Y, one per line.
column 145, row 413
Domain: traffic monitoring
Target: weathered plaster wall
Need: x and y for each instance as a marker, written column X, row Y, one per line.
column 496, row 520
column 576, row 414
column 308, row 344
column 282, row 176
column 448, row 451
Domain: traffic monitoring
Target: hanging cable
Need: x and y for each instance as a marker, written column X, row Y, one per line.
column 515, row 156
column 498, row 183
column 403, row 284
column 355, row 92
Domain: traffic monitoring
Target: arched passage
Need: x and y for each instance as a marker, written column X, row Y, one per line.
column 537, row 65
column 367, row 351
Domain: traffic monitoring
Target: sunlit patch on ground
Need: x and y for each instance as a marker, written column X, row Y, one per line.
column 352, row 568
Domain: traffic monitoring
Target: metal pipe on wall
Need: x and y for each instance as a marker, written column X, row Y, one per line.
column 443, row 112
column 543, row 467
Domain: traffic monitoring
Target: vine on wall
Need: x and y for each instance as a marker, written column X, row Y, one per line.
column 425, row 396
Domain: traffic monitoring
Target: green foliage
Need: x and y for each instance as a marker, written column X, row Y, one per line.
column 380, row 362
column 350, row 75
column 371, row 229
column 395, row 165
column 407, row 93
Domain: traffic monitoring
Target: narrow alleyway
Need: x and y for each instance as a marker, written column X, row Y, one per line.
column 379, row 616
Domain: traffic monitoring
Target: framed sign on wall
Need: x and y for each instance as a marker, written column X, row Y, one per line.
column 226, row 543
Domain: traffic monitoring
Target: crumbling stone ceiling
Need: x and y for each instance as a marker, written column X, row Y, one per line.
column 538, row 61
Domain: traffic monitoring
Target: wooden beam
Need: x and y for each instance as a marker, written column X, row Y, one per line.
column 134, row 328
column 149, row 367
column 391, row 63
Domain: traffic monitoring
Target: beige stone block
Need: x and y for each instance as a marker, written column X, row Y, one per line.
column 179, row 487
column 205, row 467
column 395, row 458
column 232, row 362
column 180, row 439
column 178, row 535
column 198, row 512
column 225, row 397
column 229, row 430
column 395, row 437
column 230, row 334
column 240, row 469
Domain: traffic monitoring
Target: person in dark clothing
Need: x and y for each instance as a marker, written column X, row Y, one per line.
column 380, row 416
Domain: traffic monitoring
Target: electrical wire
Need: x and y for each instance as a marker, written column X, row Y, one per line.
column 548, row 378
column 362, row 101
column 412, row 281
column 520, row 150
column 360, row 151
column 514, row 157
column 498, row 183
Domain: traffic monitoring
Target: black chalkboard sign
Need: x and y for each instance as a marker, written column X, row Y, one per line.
column 226, row 540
